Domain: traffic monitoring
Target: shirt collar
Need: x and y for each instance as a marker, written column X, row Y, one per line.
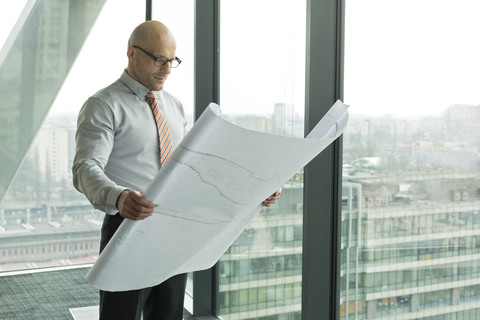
column 139, row 89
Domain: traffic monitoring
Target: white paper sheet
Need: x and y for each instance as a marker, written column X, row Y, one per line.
column 206, row 194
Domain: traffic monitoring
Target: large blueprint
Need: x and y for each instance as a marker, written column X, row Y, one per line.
column 205, row 195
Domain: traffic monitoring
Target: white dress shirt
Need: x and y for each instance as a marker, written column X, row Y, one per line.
column 117, row 141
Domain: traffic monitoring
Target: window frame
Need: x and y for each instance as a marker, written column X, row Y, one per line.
column 323, row 175
column 322, row 180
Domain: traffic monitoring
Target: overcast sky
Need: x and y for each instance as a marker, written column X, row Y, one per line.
column 411, row 57
column 403, row 57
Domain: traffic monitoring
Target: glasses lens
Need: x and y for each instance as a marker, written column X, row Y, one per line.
column 175, row 63
column 163, row 61
column 160, row 62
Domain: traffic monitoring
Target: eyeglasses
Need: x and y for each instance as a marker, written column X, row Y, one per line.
column 161, row 61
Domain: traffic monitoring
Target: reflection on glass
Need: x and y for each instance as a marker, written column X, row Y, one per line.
column 262, row 88
column 410, row 240
column 58, row 53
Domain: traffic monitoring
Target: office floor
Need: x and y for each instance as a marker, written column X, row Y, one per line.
column 45, row 295
column 49, row 295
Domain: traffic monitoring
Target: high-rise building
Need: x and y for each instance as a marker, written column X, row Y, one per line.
column 51, row 154
column 410, row 238
column 462, row 124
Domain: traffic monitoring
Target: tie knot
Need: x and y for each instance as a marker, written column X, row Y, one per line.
column 150, row 96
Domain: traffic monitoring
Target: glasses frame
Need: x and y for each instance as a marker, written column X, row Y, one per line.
column 160, row 61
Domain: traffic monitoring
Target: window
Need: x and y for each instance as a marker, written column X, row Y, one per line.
column 410, row 170
column 53, row 59
column 262, row 88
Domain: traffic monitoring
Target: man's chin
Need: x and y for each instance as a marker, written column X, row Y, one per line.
column 157, row 87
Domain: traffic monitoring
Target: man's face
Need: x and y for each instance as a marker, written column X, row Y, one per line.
column 142, row 67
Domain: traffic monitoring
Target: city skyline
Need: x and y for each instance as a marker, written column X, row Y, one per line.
column 389, row 258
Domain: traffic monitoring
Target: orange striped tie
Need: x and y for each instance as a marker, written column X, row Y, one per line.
column 164, row 138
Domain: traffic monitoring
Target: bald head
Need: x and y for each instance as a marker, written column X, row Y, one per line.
column 150, row 32
column 148, row 42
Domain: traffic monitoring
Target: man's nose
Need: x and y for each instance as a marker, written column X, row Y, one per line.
column 167, row 67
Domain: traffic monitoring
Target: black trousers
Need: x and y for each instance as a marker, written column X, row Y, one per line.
column 161, row 302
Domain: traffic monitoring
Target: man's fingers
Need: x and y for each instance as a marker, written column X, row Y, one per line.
column 136, row 208
column 271, row 199
column 142, row 202
column 135, row 215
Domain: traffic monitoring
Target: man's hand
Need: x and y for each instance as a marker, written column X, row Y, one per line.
column 274, row 197
column 131, row 205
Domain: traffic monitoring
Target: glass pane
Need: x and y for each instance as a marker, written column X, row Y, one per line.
column 34, row 61
column 61, row 53
column 262, row 78
column 410, row 240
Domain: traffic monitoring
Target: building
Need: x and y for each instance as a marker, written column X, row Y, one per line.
column 410, row 237
column 462, row 124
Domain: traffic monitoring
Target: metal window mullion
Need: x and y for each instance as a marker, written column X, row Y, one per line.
column 148, row 10
column 206, row 87
column 322, row 180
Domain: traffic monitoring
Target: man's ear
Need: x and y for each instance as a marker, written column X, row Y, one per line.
column 130, row 53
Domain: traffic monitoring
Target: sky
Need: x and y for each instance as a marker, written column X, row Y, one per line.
column 402, row 58
column 411, row 57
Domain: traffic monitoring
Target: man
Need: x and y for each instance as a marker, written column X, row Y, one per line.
column 120, row 146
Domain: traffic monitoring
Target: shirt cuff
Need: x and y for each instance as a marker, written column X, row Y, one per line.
column 112, row 197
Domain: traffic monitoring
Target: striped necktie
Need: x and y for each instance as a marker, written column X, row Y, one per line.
column 164, row 138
